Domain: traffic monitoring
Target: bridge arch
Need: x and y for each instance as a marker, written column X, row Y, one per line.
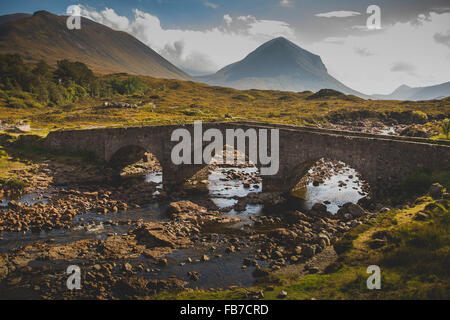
column 127, row 155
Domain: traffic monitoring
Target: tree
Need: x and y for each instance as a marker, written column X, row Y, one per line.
column 77, row 72
column 446, row 127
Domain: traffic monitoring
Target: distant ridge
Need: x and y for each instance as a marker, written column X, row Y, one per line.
column 404, row 92
column 45, row 36
column 278, row 64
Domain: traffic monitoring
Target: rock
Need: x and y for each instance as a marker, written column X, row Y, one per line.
column 366, row 202
column 436, row 190
column 185, row 207
column 163, row 262
column 421, row 216
column 319, row 207
column 376, row 243
column 15, row 205
column 247, row 262
column 283, row 234
column 230, row 249
column 355, row 210
column 193, row 275
column 128, row 267
column 241, row 205
column 309, row 251
column 283, row 294
column 260, row 272
column 23, row 127
column 154, row 235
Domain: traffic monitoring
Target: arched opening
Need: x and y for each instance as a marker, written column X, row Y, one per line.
column 135, row 162
column 227, row 182
column 329, row 182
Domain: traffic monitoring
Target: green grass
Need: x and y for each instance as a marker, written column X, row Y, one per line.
column 175, row 102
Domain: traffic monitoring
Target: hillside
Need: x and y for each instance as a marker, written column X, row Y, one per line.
column 45, row 36
column 404, row 92
column 278, row 64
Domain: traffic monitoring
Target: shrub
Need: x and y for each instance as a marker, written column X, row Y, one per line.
column 446, row 127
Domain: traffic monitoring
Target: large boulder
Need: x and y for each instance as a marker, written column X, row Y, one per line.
column 154, row 235
column 188, row 211
column 355, row 210
column 436, row 190
column 182, row 208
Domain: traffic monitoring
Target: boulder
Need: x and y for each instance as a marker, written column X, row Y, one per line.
column 421, row 216
column 154, row 235
column 436, row 190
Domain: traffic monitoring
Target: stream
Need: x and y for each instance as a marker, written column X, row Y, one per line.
column 216, row 272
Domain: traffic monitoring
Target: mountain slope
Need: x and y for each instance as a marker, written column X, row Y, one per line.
column 278, row 64
column 419, row 93
column 45, row 36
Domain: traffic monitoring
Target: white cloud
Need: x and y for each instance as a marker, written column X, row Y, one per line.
column 362, row 61
column 286, row 3
column 424, row 60
column 227, row 18
column 337, row 14
column 210, row 4
column 201, row 51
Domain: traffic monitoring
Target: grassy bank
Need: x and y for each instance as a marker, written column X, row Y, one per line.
column 172, row 102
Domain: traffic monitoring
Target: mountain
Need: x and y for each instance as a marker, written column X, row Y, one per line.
column 419, row 93
column 45, row 36
column 278, row 64
column 13, row 17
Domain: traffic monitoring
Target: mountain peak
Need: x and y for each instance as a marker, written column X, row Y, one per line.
column 42, row 13
column 44, row 35
column 278, row 64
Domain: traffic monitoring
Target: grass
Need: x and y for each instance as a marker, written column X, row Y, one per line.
column 415, row 262
column 175, row 102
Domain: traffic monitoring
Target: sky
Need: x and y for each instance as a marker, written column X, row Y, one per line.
column 411, row 47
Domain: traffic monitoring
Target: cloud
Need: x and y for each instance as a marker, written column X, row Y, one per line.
column 210, row 4
column 423, row 60
column 286, row 3
column 363, row 52
column 403, row 67
column 196, row 51
column 338, row 14
column 228, row 19
column 443, row 38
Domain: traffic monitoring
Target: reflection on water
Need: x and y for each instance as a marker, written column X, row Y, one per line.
column 214, row 273
column 332, row 193
column 28, row 198
column 155, row 177
column 221, row 192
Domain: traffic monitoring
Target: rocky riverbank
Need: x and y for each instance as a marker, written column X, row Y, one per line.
column 124, row 252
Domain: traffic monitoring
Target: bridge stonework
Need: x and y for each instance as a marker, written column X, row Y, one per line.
column 383, row 161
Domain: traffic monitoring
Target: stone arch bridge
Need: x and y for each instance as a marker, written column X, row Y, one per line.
column 383, row 161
